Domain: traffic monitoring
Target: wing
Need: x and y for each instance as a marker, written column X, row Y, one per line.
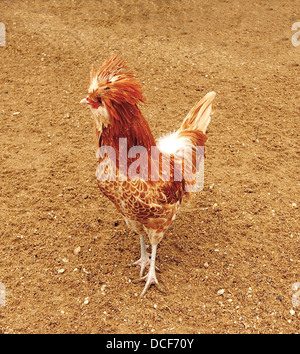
column 141, row 200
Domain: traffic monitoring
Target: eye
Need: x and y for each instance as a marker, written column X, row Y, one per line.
column 99, row 100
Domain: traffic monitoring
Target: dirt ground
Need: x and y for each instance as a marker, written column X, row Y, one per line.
column 230, row 259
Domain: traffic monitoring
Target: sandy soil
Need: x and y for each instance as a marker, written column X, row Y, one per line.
column 230, row 258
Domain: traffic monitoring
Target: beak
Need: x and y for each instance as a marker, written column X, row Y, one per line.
column 84, row 100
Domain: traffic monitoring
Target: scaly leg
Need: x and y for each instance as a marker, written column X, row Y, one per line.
column 145, row 256
column 151, row 276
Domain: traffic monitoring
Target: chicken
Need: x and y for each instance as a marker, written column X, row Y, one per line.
column 145, row 180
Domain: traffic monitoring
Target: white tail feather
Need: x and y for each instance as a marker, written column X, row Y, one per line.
column 173, row 144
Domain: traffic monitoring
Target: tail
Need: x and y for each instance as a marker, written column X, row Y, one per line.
column 191, row 137
column 192, row 130
column 199, row 116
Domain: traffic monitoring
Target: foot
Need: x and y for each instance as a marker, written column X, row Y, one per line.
column 150, row 277
column 142, row 262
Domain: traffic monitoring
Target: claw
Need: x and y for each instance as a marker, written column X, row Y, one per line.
column 150, row 279
column 142, row 263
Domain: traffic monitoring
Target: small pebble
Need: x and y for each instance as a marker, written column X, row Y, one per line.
column 220, row 292
column 103, row 288
column 77, row 250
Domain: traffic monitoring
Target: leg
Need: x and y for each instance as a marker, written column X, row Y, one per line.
column 137, row 227
column 151, row 276
column 145, row 257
